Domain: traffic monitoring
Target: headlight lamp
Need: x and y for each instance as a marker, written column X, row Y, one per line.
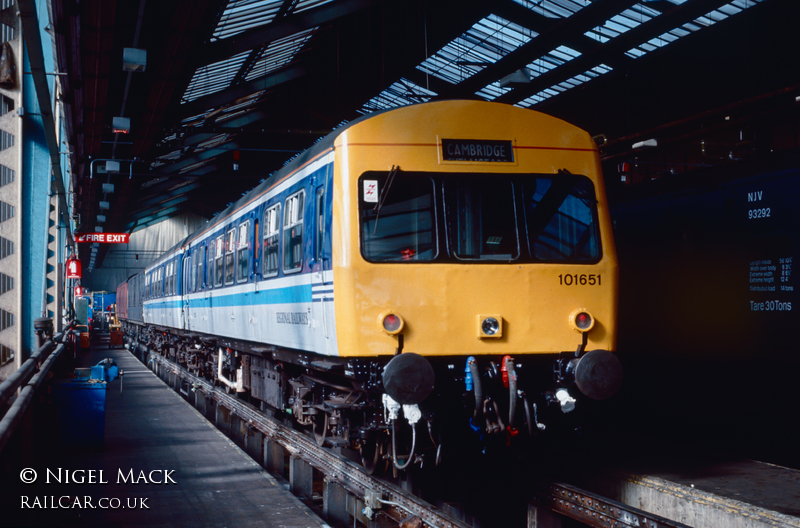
column 490, row 326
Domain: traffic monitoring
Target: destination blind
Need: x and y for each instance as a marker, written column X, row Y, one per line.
column 477, row 150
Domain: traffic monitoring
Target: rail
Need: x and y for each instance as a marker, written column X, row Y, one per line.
column 16, row 393
column 596, row 511
column 563, row 499
column 336, row 469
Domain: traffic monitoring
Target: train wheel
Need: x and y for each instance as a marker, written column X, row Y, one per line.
column 320, row 428
column 370, row 455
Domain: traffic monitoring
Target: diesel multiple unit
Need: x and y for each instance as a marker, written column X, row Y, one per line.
column 447, row 268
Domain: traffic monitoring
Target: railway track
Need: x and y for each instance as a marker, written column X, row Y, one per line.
column 374, row 502
column 379, row 497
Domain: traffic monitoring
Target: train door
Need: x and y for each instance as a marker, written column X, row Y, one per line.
column 321, row 285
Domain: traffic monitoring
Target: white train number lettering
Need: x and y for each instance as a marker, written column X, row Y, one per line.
column 580, row 280
column 764, row 212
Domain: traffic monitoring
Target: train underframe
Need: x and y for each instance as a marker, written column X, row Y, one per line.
column 476, row 403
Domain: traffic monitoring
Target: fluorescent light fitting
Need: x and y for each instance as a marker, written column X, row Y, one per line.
column 646, row 143
column 134, row 59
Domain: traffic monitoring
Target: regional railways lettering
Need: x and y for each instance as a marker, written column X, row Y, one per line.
column 297, row 318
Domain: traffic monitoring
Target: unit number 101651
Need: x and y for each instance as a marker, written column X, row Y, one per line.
column 580, row 280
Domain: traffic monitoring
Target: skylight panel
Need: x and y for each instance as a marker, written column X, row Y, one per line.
column 630, row 18
column 553, row 8
column 493, row 91
column 401, row 93
column 483, row 44
column 305, row 5
column 279, row 53
column 554, row 59
column 709, row 19
column 214, row 77
column 241, row 15
column 564, row 86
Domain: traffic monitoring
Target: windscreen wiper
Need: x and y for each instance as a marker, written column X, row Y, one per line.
column 384, row 194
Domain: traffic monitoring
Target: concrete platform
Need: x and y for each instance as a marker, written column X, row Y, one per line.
column 163, row 464
column 698, row 488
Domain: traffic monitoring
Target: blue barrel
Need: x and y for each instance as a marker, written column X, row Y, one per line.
column 81, row 407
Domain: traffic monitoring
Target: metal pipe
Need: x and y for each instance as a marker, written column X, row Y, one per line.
column 476, row 381
column 14, row 415
column 17, row 411
column 21, row 376
column 512, row 391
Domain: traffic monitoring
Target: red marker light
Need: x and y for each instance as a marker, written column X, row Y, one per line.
column 391, row 323
column 583, row 320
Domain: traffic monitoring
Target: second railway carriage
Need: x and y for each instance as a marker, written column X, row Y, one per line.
column 450, row 259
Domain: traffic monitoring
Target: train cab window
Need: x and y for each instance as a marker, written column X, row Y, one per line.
column 397, row 217
column 230, row 248
column 481, row 219
column 242, row 253
column 272, row 231
column 218, row 262
column 293, row 233
column 561, row 215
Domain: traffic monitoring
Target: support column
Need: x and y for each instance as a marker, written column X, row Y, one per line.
column 334, row 503
column 254, row 445
column 541, row 517
column 301, row 477
column 273, row 457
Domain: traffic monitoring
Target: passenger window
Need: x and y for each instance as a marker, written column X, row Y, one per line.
column 170, row 278
column 320, row 226
column 243, row 250
column 187, row 274
column 201, row 258
column 230, row 247
column 194, row 264
column 218, row 262
column 209, row 272
column 293, row 233
column 271, row 240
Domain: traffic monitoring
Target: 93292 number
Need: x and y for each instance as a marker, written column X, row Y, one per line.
column 581, row 279
column 764, row 212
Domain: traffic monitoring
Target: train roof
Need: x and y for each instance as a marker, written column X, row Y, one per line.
column 324, row 144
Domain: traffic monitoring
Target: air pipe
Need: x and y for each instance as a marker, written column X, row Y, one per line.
column 478, row 387
column 234, row 385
